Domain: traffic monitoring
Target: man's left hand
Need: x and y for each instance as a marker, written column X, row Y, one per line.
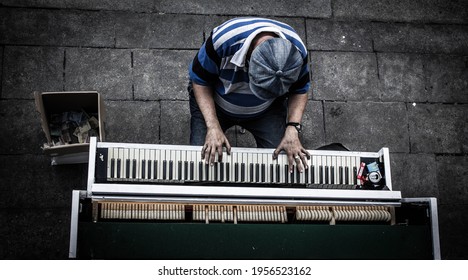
column 296, row 154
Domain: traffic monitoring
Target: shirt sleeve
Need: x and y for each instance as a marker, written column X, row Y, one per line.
column 204, row 69
column 302, row 85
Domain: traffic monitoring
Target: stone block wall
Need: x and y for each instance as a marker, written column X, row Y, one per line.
column 384, row 73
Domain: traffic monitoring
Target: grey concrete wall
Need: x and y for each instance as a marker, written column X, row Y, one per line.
column 384, row 73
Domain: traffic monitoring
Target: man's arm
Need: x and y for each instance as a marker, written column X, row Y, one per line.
column 291, row 143
column 215, row 138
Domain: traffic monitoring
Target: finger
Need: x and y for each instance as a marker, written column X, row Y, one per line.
column 206, row 154
column 219, row 151
column 303, row 159
column 277, row 151
column 291, row 163
column 298, row 162
column 212, row 155
column 228, row 147
column 304, row 151
column 203, row 152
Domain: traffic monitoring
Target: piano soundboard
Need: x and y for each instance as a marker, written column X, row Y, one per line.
column 170, row 191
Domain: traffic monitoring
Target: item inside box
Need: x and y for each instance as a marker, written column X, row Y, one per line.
column 72, row 127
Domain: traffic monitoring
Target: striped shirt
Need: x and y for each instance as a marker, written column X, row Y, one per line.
column 221, row 64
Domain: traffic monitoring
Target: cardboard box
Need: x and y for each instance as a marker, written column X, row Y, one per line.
column 53, row 104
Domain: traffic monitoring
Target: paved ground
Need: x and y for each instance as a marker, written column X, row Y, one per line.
column 385, row 73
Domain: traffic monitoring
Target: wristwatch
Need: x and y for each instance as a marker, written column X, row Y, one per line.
column 297, row 125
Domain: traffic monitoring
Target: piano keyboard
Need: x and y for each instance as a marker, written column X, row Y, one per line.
column 180, row 164
column 209, row 213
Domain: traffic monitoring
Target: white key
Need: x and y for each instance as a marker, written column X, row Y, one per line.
column 302, row 175
column 244, row 172
column 335, row 169
column 151, row 167
column 328, row 174
column 238, row 160
column 281, row 163
column 147, row 158
column 358, row 164
column 140, row 164
column 197, row 160
column 266, row 163
column 136, row 163
column 348, row 169
column 126, row 155
column 156, row 164
column 175, row 158
column 194, row 159
column 226, row 159
column 132, row 165
column 118, row 162
column 326, row 168
column 183, row 160
column 188, row 159
column 318, row 163
column 352, row 175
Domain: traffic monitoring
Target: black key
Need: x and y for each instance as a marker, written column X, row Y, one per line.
column 257, row 172
column 192, row 169
column 186, row 170
column 263, row 171
column 127, row 168
column 207, row 172
column 286, row 173
column 179, row 170
column 143, row 167
column 332, row 174
column 228, row 171
column 242, row 172
column 312, row 174
column 320, row 174
column 119, row 162
column 355, row 175
column 341, row 174
column 271, row 172
column 112, row 175
column 164, row 169
column 306, row 175
column 221, row 171
column 134, row 168
column 200, row 171
column 251, row 167
column 236, row 172
column 278, row 170
column 171, row 169
column 347, row 175
column 215, row 175
column 291, row 176
column 294, row 175
column 149, row 169
column 298, row 176
column 327, row 178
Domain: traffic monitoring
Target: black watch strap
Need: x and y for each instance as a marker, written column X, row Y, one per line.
column 297, row 125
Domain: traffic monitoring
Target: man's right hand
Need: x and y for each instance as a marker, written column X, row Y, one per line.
column 214, row 142
column 215, row 139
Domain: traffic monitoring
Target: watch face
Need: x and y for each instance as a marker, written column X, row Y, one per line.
column 298, row 126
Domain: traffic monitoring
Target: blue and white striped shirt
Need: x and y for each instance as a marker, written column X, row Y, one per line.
column 221, row 64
